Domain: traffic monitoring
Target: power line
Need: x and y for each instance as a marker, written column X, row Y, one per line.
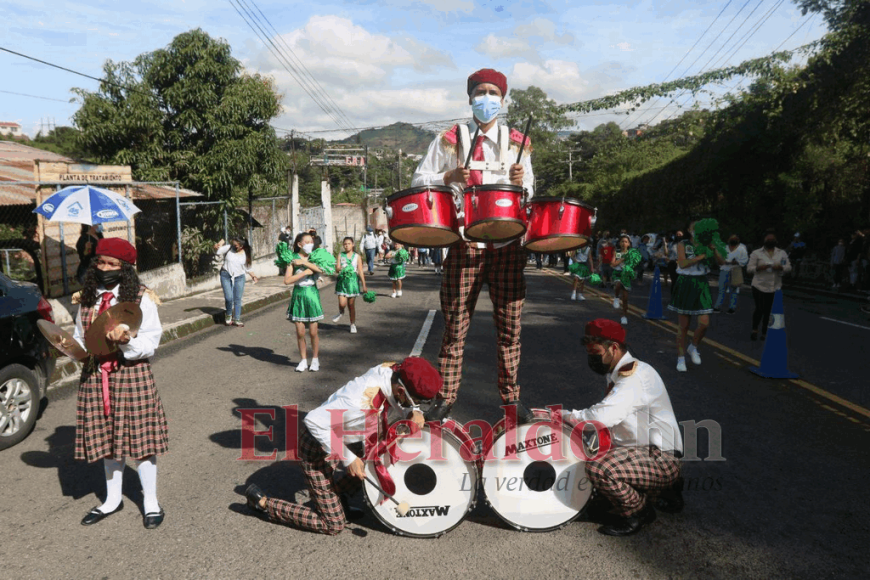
column 34, row 96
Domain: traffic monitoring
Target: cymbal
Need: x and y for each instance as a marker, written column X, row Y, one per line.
column 61, row 340
column 127, row 313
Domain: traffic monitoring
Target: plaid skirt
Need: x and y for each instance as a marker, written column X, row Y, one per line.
column 691, row 296
column 136, row 427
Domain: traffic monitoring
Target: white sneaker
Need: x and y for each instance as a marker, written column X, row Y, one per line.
column 315, row 365
column 681, row 364
column 696, row 356
column 623, row 321
column 400, row 292
column 616, row 303
column 353, row 328
column 574, row 296
column 393, row 295
column 303, row 366
column 581, row 297
column 337, row 317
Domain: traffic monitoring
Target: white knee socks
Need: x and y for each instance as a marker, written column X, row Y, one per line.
column 114, row 480
column 148, row 476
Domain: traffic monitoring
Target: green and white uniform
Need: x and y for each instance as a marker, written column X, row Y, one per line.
column 305, row 301
column 397, row 265
column 579, row 265
column 692, row 290
column 348, row 279
column 618, row 274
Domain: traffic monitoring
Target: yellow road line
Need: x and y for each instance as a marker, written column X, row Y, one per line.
column 671, row 327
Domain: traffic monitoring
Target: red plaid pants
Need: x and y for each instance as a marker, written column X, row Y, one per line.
column 625, row 475
column 328, row 516
column 465, row 271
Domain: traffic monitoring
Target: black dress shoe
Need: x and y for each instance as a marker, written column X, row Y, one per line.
column 730, row 311
column 437, row 412
column 671, row 500
column 95, row 515
column 350, row 512
column 631, row 524
column 254, row 494
column 153, row 519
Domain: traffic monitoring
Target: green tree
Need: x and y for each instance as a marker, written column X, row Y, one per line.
column 187, row 112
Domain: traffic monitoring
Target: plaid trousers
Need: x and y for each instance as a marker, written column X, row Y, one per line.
column 626, row 474
column 328, row 516
column 465, row 270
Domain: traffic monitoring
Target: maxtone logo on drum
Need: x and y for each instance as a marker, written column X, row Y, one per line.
column 533, row 443
column 425, row 511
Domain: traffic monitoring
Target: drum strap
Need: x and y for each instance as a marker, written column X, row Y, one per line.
column 487, row 167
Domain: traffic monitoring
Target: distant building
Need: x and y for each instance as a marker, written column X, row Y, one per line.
column 11, row 129
column 637, row 131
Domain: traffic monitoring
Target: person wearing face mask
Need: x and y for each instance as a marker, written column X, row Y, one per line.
column 767, row 264
column 119, row 414
column 646, row 445
column 86, row 248
column 469, row 265
column 737, row 258
column 237, row 263
column 305, row 305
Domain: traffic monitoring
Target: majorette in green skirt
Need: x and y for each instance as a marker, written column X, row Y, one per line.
column 691, row 296
column 623, row 278
column 347, row 283
column 305, row 304
column 579, row 270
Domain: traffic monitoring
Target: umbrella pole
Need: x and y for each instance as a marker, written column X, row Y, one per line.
column 63, row 255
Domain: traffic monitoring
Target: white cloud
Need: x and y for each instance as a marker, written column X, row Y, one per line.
column 625, row 46
column 496, row 47
column 545, row 29
column 524, row 40
column 561, row 80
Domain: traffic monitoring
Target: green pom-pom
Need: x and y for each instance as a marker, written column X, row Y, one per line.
column 370, row 296
column 632, row 258
column 401, row 256
column 285, row 255
column 706, row 233
column 595, row 279
column 346, row 274
column 323, row 260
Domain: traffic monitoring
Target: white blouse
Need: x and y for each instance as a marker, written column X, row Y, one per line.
column 234, row 262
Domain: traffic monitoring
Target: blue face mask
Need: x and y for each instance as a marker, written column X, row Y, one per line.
column 99, row 228
column 486, row 107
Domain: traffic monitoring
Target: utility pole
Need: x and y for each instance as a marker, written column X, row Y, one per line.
column 571, row 163
column 399, row 164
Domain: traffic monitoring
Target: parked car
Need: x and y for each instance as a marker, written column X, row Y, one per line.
column 26, row 361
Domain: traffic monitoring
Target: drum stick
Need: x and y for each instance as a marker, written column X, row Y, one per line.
column 402, row 508
column 525, row 138
column 473, row 145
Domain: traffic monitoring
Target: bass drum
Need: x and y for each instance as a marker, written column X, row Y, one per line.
column 440, row 482
column 423, row 217
column 525, row 485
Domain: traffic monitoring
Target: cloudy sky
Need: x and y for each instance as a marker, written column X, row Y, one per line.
column 397, row 60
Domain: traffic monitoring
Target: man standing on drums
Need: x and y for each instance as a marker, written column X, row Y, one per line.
column 333, row 432
column 469, row 264
column 646, row 443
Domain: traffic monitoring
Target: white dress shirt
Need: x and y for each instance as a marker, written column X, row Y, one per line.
column 637, row 410
column 234, row 262
column 739, row 253
column 145, row 342
column 354, row 399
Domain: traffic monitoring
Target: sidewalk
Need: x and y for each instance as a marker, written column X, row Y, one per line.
column 184, row 316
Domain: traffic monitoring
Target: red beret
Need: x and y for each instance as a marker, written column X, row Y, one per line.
column 606, row 329
column 419, row 377
column 488, row 75
column 117, row 248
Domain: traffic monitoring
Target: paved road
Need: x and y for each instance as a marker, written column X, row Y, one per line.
column 787, row 501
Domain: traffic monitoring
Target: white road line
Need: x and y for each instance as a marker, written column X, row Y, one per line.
column 424, row 333
column 841, row 322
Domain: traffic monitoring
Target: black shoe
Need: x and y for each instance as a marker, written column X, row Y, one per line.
column 753, row 335
column 154, row 519
column 438, row 411
column 717, row 309
column 730, row 311
column 671, row 500
column 524, row 415
column 598, row 510
column 254, row 494
column 631, row 524
column 95, row 515
column 763, row 337
column 350, row 512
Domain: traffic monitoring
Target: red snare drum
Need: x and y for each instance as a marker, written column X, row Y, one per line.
column 423, row 217
column 557, row 224
column 493, row 213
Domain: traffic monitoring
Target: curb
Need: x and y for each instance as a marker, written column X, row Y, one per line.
column 70, row 371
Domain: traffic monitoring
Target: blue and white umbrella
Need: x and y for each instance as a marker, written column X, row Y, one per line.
column 86, row 204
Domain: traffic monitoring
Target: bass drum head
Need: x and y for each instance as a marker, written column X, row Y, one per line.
column 530, row 490
column 422, row 236
column 440, row 492
column 495, row 230
column 557, row 243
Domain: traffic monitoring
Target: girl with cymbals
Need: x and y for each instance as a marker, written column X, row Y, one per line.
column 347, row 286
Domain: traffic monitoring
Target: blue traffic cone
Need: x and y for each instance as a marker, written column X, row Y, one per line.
column 774, row 359
column 654, row 308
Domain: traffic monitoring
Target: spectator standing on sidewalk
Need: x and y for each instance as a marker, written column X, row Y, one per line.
column 737, row 258
column 237, row 264
column 838, row 263
column 796, row 251
column 605, row 257
column 767, row 264
column 369, row 247
column 853, row 258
